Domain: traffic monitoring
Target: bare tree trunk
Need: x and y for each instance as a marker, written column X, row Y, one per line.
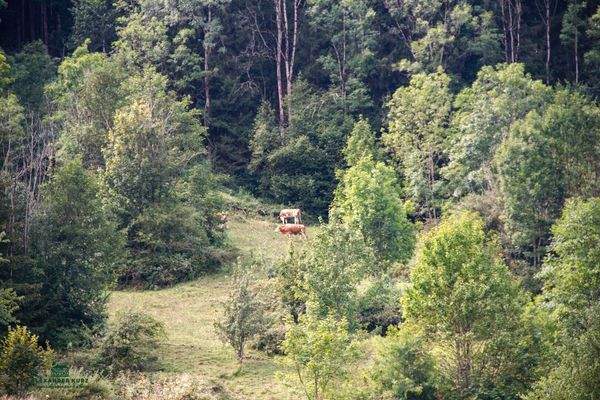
column 278, row 57
column 576, row 57
column 207, row 54
column 290, row 50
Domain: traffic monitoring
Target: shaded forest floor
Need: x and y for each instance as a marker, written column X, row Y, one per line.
column 190, row 310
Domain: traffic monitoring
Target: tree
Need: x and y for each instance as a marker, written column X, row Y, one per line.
column 347, row 30
column 419, row 116
column 77, row 247
column 368, row 200
column 153, row 154
column 320, row 352
column 243, row 316
column 571, row 280
column 94, row 20
column 86, row 95
column 22, row 360
column 403, row 368
column 333, row 266
column 465, row 299
column 544, row 160
column 571, row 33
column 361, row 143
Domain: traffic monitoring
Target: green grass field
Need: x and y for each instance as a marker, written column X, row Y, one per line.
column 189, row 311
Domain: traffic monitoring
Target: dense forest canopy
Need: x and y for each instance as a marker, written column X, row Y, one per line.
column 446, row 153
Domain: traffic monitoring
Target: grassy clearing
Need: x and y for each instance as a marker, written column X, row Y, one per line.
column 189, row 311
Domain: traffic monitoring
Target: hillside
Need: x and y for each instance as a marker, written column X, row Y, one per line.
column 190, row 310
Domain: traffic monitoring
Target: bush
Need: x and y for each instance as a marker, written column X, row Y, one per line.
column 22, row 360
column 131, row 345
column 402, row 368
column 378, row 306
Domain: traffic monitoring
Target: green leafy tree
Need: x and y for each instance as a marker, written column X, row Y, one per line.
column 361, row 143
column 243, row 316
column 86, row 95
column 368, row 199
column 158, row 185
column 419, row 117
column 348, row 30
column 94, row 20
column 320, row 352
column 9, row 304
column 77, row 247
column 22, row 360
column 336, row 261
column 485, row 112
column 592, row 56
column 544, row 160
column 465, row 299
column 403, row 368
column 571, row 281
column 572, row 31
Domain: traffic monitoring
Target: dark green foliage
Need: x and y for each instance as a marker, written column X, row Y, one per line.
column 22, row 360
column 9, row 304
column 403, row 369
column 32, row 68
column 132, row 344
column 378, row 306
column 77, row 248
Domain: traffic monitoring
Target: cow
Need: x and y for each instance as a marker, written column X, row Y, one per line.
column 292, row 229
column 288, row 213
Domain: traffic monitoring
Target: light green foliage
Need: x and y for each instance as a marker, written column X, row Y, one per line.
column 78, row 248
column 336, row 260
column 243, row 315
column 361, row 143
column 368, row 199
column 403, row 368
column 290, row 281
column 320, row 353
column 87, row 94
column 132, row 344
column 419, row 117
column 5, row 78
column 572, row 278
column 485, row 112
column 22, row 360
column 465, row 299
column 545, row 159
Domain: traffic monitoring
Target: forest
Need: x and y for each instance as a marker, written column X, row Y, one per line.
column 445, row 155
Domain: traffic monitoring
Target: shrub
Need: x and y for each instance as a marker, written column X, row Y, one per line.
column 131, row 345
column 378, row 306
column 95, row 388
column 22, row 360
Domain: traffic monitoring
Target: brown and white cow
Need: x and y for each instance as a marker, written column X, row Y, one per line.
column 288, row 213
column 292, row 229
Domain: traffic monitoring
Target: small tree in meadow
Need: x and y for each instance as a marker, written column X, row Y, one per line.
column 22, row 359
column 243, row 316
column 320, row 352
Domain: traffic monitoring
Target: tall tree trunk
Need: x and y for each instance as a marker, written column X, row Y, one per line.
column 291, row 44
column 207, row 54
column 278, row 57
column 576, row 57
column 44, row 15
